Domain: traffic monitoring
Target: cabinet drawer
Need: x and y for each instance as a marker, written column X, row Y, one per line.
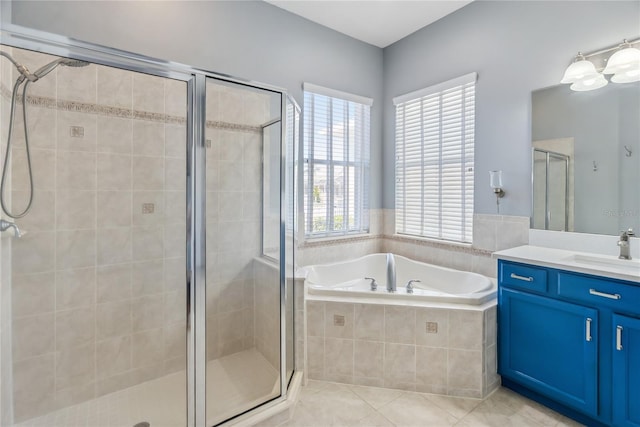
column 523, row 277
column 599, row 292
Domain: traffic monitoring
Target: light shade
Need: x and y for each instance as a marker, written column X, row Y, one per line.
column 623, row 60
column 626, row 77
column 579, row 70
column 592, row 83
column 495, row 179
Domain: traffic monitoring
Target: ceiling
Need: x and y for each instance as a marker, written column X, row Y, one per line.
column 378, row 22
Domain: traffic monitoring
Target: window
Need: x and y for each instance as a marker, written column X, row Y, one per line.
column 434, row 160
column 336, row 162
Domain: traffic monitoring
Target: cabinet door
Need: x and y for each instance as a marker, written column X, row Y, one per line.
column 550, row 346
column 626, row 371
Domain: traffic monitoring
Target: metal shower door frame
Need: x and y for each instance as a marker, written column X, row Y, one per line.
column 195, row 270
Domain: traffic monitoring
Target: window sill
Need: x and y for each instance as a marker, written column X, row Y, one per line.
column 432, row 241
column 321, row 241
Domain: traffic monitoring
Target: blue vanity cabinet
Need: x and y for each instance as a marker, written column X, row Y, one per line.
column 571, row 341
column 551, row 347
column 626, row 371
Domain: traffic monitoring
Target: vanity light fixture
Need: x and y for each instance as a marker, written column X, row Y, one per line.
column 587, row 71
column 495, row 181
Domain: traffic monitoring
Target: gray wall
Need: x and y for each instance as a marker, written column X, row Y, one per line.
column 245, row 39
column 515, row 47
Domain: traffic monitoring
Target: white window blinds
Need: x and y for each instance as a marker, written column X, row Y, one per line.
column 434, row 160
column 336, row 162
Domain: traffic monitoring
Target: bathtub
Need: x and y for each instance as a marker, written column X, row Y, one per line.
column 437, row 284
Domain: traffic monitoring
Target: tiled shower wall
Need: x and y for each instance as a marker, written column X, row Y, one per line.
column 98, row 282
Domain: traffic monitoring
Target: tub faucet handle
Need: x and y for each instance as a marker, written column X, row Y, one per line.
column 374, row 285
column 410, row 285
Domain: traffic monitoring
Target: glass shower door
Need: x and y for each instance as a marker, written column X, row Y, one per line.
column 243, row 347
column 93, row 295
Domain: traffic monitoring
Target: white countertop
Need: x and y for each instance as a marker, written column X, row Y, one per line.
column 581, row 262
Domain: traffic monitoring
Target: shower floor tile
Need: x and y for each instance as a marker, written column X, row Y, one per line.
column 235, row 383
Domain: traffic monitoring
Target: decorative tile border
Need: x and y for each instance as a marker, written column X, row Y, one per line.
column 125, row 113
column 439, row 245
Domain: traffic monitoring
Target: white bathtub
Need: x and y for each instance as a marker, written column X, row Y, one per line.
column 437, row 284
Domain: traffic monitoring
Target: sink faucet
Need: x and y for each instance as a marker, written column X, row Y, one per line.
column 624, row 244
column 5, row 225
column 391, row 273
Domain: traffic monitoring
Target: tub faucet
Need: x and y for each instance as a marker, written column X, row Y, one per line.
column 5, row 225
column 391, row 273
column 374, row 284
column 410, row 285
column 623, row 242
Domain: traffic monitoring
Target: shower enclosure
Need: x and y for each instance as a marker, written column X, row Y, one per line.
column 155, row 203
column 551, row 191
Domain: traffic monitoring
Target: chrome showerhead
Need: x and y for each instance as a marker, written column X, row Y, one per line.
column 73, row 62
column 46, row 69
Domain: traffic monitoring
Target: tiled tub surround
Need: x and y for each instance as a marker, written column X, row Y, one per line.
column 436, row 349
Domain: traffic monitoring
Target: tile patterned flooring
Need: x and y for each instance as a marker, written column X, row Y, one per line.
column 324, row 404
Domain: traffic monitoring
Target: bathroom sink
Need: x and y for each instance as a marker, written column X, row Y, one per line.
column 627, row 265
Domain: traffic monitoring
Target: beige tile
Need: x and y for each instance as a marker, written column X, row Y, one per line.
column 376, row 397
column 491, row 366
column 75, row 249
column 466, row 329
column 465, row 369
column 113, row 283
column 33, row 386
column 147, row 278
column 175, row 207
column 148, row 93
column 399, row 363
column 77, row 83
column 34, row 253
column 399, row 324
column 415, row 410
column 147, row 348
column 74, row 395
column 231, row 177
column 315, row 355
column 148, row 173
column 68, row 140
column 75, row 209
column 114, row 246
column 75, row 288
column 491, row 325
column 76, row 171
column 113, row 356
column 114, row 87
column 148, row 243
column 374, row 420
column 41, row 216
column 114, row 172
column 114, row 209
column 115, row 383
column 42, row 125
column 175, row 274
column 75, row 366
column 75, row 328
column 431, row 369
column 175, row 341
column 175, row 141
column 175, row 174
column 368, row 359
column 32, row 293
column 142, row 215
column 148, row 138
column 175, row 93
column 43, row 164
column 230, row 205
column 369, row 322
column 439, row 338
column 338, row 359
column 147, row 313
column 113, row 319
column 334, row 405
column 338, row 321
column 315, row 318
column 175, row 240
column 114, row 134
column 33, row 336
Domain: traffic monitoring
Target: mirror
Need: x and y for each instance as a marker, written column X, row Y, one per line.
column 586, row 159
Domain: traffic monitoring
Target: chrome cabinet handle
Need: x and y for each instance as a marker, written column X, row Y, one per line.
column 589, row 338
column 619, row 338
column 526, row 279
column 604, row 294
